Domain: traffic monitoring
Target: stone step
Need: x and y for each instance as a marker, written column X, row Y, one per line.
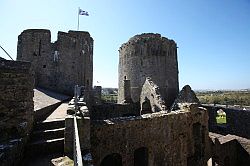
column 47, row 134
column 49, row 124
column 45, row 147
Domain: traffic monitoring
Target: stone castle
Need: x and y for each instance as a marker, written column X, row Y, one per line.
column 149, row 55
column 153, row 123
column 60, row 65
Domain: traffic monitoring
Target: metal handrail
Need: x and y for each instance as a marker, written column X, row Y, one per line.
column 77, row 148
column 6, row 53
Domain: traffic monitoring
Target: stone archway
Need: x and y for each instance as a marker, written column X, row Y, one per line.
column 146, row 106
column 112, row 159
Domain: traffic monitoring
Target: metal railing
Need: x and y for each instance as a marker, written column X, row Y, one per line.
column 6, row 53
column 76, row 142
column 77, row 148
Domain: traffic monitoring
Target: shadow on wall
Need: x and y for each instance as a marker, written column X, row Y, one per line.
column 114, row 159
column 141, row 157
column 54, row 95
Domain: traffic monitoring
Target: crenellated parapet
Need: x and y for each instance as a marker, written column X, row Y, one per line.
column 58, row 65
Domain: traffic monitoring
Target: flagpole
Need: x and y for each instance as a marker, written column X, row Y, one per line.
column 78, row 18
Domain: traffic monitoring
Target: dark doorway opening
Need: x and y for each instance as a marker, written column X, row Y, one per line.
column 141, row 157
column 146, row 106
column 114, row 159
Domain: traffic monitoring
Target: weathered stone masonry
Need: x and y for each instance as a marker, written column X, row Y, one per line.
column 238, row 121
column 176, row 138
column 149, row 55
column 61, row 65
column 16, row 109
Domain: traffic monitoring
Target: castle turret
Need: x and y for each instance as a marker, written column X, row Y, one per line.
column 149, row 55
column 61, row 65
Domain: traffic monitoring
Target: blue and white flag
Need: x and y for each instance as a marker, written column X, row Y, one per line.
column 82, row 12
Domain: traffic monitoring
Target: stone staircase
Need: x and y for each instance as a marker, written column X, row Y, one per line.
column 47, row 138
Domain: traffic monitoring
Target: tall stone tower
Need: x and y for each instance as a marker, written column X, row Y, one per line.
column 149, row 55
column 61, row 65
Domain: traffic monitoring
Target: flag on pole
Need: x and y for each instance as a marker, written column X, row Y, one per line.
column 82, row 12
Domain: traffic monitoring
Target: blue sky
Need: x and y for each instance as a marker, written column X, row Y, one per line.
column 213, row 36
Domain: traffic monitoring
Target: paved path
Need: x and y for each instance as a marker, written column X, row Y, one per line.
column 46, row 160
column 60, row 112
column 43, row 98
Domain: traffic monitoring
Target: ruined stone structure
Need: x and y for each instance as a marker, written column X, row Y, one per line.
column 152, row 125
column 229, row 150
column 61, row 65
column 97, row 94
column 16, row 109
column 238, row 121
column 151, row 99
column 118, row 134
column 149, row 55
column 152, row 139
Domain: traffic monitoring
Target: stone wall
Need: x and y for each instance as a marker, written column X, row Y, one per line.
column 97, row 95
column 61, row 65
column 151, row 93
column 176, row 138
column 230, row 150
column 16, row 109
column 83, row 124
column 238, row 121
column 106, row 111
column 149, row 55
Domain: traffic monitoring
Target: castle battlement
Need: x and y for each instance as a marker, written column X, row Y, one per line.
column 60, row 65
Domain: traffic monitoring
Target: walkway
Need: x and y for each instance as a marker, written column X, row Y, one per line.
column 44, row 99
column 59, row 113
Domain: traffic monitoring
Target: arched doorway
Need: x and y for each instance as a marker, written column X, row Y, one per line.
column 141, row 157
column 146, row 106
column 113, row 159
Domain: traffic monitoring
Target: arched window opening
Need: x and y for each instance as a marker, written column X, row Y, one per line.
column 112, row 159
column 221, row 117
column 146, row 106
column 141, row 157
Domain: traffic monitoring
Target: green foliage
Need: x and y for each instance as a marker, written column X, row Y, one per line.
column 241, row 98
column 110, row 98
column 221, row 119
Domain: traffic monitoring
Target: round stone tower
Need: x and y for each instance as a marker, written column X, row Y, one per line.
column 149, row 55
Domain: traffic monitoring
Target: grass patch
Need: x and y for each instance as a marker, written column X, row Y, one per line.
column 221, row 119
column 241, row 98
column 110, row 98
